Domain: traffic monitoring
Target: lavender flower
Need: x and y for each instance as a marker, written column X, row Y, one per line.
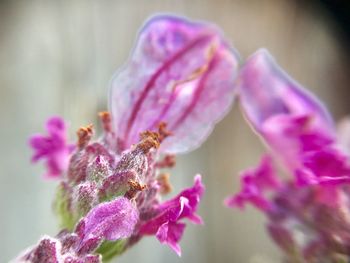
column 308, row 213
column 176, row 85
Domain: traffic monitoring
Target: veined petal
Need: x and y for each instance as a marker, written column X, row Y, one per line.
column 181, row 73
column 265, row 91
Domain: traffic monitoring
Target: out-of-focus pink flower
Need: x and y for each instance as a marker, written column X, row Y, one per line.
column 165, row 224
column 255, row 182
column 308, row 211
column 265, row 91
column 180, row 72
column 293, row 123
column 53, row 148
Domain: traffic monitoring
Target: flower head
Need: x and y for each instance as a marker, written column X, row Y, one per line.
column 300, row 135
column 176, row 85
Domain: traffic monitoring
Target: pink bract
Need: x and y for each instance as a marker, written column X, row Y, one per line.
column 181, row 73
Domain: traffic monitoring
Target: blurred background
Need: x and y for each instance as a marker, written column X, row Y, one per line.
column 57, row 57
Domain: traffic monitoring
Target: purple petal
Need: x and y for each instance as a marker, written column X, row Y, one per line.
column 181, row 73
column 186, row 203
column 265, row 91
column 111, row 220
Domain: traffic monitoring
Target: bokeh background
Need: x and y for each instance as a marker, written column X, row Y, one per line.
column 57, row 57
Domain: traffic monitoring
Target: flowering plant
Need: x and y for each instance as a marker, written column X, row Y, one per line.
column 177, row 83
column 180, row 79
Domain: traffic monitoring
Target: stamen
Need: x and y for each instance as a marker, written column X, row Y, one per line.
column 148, row 141
column 135, row 187
column 106, row 120
column 163, row 132
column 164, row 183
column 84, row 135
column 168, row 161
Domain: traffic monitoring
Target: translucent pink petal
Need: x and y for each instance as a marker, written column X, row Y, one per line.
column 290, row 119
column 265, row 90
column 180, row 72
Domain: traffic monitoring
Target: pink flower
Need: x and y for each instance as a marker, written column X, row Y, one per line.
column 165, row 224
column 294, row 124
column 52, row 148
column 301, row 136
column 177, row 84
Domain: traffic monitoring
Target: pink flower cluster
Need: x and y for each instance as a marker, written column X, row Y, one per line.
column 177, row 83
column 308, row 211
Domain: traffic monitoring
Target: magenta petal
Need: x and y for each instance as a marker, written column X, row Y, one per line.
column 165, row 224
column 186, row 203
column 170, row 234
column 53, row 148
column 180, row 72
column 111, row 220
column 254, row 184
column 56, row 125
column 265, row 91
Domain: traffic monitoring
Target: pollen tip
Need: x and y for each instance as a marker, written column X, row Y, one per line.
column 106, row 121
column 134, row 188
column 164, row 182
column 148, row 141
column 84, row 135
